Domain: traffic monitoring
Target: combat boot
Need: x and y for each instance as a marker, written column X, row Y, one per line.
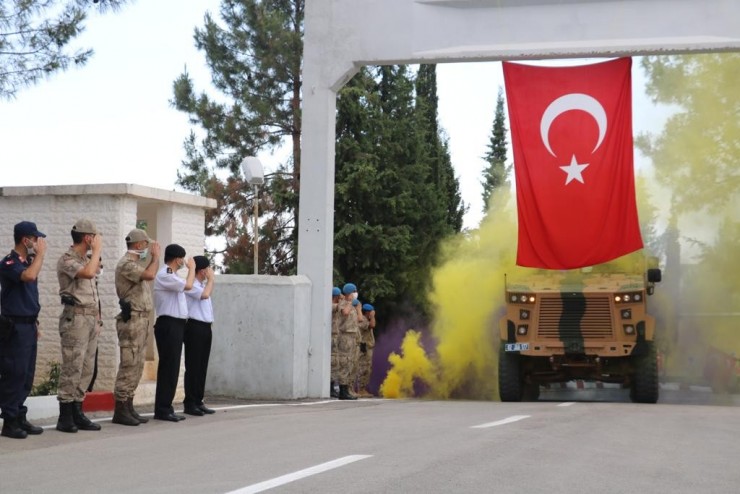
column 66, row 422
column 134, row 414
column 122, row 415
column 333, row 389
column 80, row 419
column 27, row 426
column 12, row 428
column 344, row 393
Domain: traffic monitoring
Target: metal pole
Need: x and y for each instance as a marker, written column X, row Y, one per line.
column 256, row 232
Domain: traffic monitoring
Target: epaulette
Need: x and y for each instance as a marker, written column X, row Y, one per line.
column 169, row 270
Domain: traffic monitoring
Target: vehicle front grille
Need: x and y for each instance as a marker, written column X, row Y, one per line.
column 594, row 322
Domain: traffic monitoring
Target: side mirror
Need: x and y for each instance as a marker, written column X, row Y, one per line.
column 654, row 275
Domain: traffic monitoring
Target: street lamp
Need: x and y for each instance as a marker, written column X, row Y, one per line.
column 254, row 174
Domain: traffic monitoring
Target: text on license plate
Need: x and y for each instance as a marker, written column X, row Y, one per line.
column 516, row 347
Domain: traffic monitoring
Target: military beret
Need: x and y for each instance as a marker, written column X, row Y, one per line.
column 349, row 288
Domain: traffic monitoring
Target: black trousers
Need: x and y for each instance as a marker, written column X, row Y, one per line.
column 168, row 332
column 198, row 337
column 17, row 368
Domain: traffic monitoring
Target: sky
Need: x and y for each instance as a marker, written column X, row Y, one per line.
column 111, row 121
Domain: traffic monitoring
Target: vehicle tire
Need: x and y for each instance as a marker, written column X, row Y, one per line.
column 510, row 382
column 645, row 379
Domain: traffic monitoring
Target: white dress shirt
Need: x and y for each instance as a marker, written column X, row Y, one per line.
column 198, row 308
column 169, row 294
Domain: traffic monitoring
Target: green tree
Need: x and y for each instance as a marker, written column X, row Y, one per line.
column 391, row 211
column 435, row 149
column 496, row 172
column 255, row 62
column 696, row 154
column 35, row 39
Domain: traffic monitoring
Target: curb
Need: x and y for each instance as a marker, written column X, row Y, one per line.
column 99, row 401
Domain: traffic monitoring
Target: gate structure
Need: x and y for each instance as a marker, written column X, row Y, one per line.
column 343, row 35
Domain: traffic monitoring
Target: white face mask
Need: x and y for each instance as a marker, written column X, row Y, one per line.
column 100, row 273
column 30, row 247
column 141, row 253
column 355, row 295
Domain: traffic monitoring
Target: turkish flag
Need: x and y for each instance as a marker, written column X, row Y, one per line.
column 571, row 130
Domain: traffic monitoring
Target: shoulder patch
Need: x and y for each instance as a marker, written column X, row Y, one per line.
column 169, row 270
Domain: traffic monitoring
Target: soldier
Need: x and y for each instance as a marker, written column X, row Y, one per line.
column 367, row 343
column 78, row 324
column 172, row 313
column 19, row 306
column 336, row 294
column 348, row 340
column 134, row 271
column 198, row 337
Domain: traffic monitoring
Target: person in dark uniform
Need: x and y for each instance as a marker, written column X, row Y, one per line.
column 19, row 310
column 198, row 337
column 172, row 313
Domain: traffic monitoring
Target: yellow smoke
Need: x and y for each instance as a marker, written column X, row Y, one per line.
column 467, row 295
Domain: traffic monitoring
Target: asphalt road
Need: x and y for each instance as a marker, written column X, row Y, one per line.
column 569, row 441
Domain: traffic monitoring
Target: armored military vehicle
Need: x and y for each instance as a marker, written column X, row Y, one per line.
column 589, row 324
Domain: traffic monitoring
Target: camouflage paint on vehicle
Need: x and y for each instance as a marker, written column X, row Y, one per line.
column 578, row 324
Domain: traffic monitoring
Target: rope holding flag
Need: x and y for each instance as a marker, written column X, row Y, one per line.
column 571, row 131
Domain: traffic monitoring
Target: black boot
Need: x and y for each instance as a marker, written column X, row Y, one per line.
column 81, row 421
column 122, row 414
column 344, row 393
column 66, row 422
column 134, row 414
column 333, row 390
column 12, row 428
column 26, row 425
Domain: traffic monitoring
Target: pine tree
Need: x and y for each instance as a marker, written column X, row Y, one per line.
column 496, row 173
column 35, row 36
column 255, row 62
column 391, row 207
column 436, row 149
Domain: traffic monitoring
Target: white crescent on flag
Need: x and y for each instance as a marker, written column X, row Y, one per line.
column 573, row 101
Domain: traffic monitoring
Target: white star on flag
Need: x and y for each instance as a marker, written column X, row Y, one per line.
column 574, row 170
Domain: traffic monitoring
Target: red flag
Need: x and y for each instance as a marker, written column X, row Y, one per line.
column 571, row 129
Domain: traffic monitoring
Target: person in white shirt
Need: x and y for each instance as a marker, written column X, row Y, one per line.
column 198, row 337
column 172, row 312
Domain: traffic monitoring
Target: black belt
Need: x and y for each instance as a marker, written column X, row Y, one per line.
column 23, row 319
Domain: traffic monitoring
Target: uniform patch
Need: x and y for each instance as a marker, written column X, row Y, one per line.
column 169, row 270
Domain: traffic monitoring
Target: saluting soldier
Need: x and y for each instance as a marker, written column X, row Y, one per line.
column 336, row 295
column 367, row 344
column 19, row 307
column 348, row 341
column 78, row 324
column 134, row 272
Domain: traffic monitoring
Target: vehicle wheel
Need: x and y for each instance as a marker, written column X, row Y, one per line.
column 645, row 379
column 510, row 382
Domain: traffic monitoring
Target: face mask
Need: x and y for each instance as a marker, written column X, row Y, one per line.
column 141, row 253
column 355, row 295
column 180, row 264
column 30, row 248
column 100, row 273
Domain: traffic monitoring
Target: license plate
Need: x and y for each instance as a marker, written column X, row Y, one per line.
column 516, row 347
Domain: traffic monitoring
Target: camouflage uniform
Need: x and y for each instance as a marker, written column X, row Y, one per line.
column 367, row 339
column 335, row 322
column 348, row 344
column 77, row 328
column 134, row 333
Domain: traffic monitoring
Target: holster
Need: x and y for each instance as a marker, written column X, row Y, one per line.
column 7, row 329
column 125, row 310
